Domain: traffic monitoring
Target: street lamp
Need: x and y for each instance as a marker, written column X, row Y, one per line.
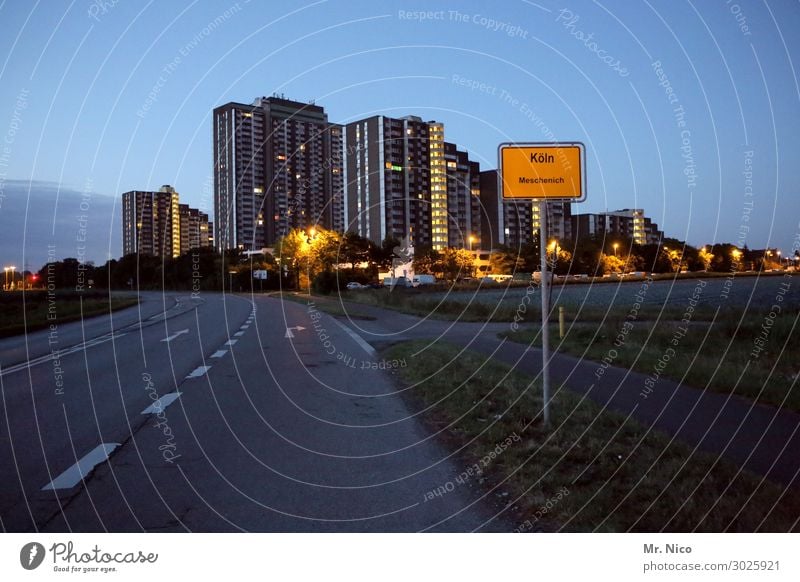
column 312, row 234
column 230, row 280
column 12, row 268
column 471, row 240
column 616, row 246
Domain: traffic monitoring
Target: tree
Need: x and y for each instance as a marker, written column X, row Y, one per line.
column 427, row 261
column 705, row 258
column 505, row 261
column 308, row 253
column 726, row 258
column 383, row 255
column 586, row 255
column 292, row 254
column 457, row 263
column 611, row 264
column 355, row 249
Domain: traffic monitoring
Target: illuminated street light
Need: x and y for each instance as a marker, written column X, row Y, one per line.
column 616, row 246
column 312, row 234
column 471, row 240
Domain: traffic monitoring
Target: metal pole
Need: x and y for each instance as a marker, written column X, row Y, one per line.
column 545, row 313
column 561, row 321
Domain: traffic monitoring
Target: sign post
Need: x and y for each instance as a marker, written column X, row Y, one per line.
column 541, row 172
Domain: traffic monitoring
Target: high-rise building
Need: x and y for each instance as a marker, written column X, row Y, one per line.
column 151, row 222
column 277, row 166
column 403, row 180
column 194, row 229
column 463, row 199
column 388, row 178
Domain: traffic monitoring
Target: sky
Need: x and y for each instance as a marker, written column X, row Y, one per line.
column 689, row 110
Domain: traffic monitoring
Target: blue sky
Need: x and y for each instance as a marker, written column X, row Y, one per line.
column 104, row 97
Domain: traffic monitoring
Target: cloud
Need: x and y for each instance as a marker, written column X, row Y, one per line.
column 44, row 220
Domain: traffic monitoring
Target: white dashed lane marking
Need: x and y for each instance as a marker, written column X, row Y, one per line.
column 160, row 404
column 219, row 353
column 59, row 354
column 238, row 334
column 198, row 371
column 231, row 342
column 72, row 476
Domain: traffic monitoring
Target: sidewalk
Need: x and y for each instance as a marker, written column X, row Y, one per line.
column 761, row 439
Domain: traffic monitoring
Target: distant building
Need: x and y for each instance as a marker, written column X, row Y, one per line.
column 151, row 222
column 277, row 166
column 155, row 223
column 404, row 180
column 396, row 180
column 628, row 223
column 463, row 199
column 516, row 223
column 196, row 231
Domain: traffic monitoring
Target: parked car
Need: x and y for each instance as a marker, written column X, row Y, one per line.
column 353, row 285
column 396, row 282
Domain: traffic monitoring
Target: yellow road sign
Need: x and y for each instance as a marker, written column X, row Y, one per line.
column 543, row 171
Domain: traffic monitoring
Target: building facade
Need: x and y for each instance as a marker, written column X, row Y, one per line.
column 151, row 222
column 404, row 181
column 155, row 223
column 195, row 229
column 628, row 223
column 516, row 223
column 277, row 166
column 463, row 199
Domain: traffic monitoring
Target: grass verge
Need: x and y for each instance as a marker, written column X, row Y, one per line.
column 717, row 356
column 327, row 305
column 594, row 471
column 40, row 311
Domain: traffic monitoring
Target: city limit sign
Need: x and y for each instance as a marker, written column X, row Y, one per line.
column 542, row 171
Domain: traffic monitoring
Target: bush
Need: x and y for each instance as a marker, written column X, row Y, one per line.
column 325, row 283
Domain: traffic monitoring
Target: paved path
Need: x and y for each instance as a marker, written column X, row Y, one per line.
column 762, row 439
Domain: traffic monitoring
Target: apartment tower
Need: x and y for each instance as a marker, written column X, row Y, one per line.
column 277, row 166
column 151, row 222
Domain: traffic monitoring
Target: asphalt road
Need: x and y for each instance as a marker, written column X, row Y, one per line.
column 252, row 430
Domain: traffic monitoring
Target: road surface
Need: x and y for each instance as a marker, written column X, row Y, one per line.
column 217, row 413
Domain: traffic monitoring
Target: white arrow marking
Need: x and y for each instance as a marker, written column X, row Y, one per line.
column 176, row 334
column 289, row 333
column 72, row 476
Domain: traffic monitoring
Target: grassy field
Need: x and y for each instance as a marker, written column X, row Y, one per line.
column 593, row 471
column 424, row 304
column 714, row 349
column 326, row 304
column 17, row 317
column 708, row 353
